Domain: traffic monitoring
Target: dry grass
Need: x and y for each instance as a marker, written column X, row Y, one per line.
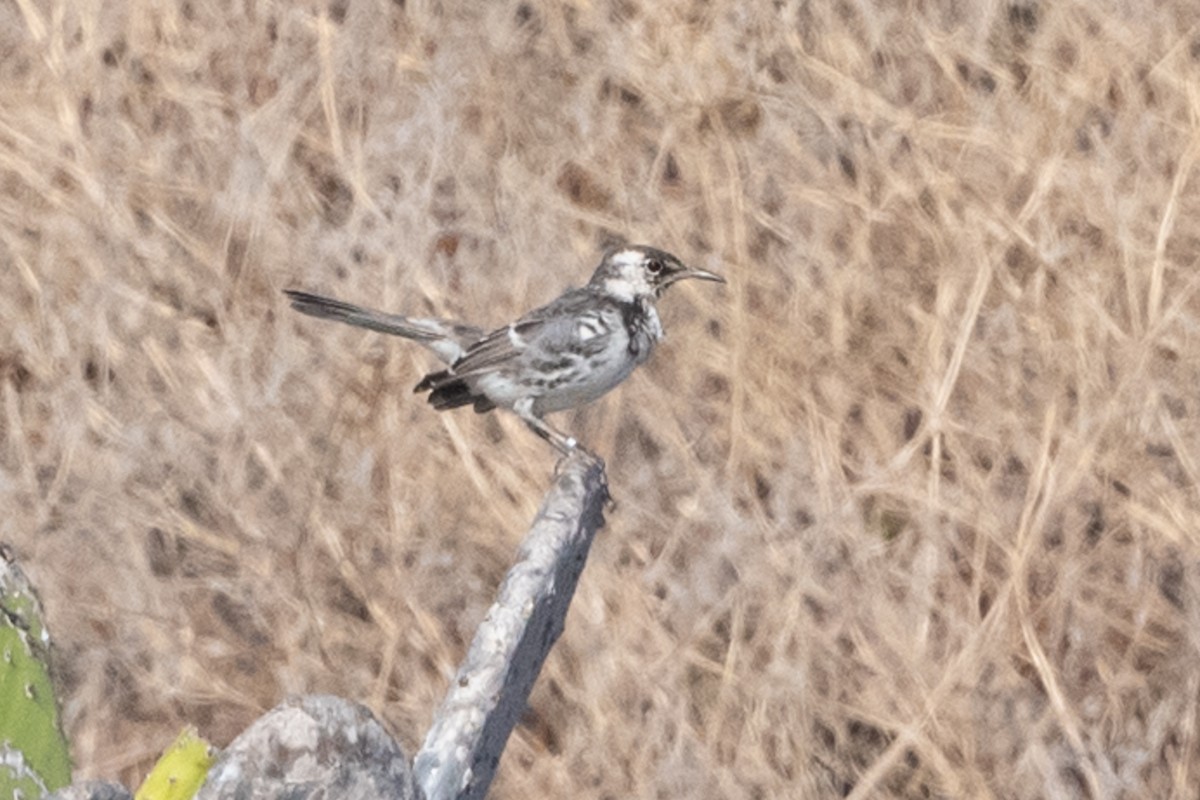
column 909, row 509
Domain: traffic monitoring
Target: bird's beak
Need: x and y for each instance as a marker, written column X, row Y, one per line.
column 698, row 274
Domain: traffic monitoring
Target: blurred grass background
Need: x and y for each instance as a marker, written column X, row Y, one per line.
column 908, row 509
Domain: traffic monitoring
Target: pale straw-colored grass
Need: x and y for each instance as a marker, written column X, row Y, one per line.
column 908, row 509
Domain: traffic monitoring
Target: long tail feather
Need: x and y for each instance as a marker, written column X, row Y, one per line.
column 447, row 340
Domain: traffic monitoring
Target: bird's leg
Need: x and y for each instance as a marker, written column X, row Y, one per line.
column 567, row 445
column 560, row 441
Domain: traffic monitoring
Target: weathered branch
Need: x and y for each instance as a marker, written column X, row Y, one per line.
column 488, row 696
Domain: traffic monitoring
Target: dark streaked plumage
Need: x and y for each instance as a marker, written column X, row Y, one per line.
column 559, row 356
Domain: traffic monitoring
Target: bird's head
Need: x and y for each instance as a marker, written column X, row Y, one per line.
column 639, row 272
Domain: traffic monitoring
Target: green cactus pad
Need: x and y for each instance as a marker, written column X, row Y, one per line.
column 29, row 726
column 181, row 770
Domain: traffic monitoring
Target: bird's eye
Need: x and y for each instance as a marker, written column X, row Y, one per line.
column 654, row 266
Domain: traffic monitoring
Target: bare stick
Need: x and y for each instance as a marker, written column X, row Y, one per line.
column 488, row 696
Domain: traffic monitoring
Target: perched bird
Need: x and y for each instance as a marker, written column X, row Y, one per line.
column 565, row 354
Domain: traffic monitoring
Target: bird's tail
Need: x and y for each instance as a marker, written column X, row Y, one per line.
column 448, row 340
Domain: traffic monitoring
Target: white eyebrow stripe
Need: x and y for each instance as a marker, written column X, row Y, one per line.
column 628, row 257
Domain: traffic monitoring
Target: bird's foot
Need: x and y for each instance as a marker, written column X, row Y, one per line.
column 591, row 461
column 572, row 449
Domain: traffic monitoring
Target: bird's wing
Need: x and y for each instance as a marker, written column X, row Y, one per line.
column 498, row 348
column 548, row 329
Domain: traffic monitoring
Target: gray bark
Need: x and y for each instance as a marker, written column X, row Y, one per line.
column 488, row 696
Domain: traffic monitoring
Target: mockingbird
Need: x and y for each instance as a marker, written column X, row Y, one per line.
column 565, row 354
